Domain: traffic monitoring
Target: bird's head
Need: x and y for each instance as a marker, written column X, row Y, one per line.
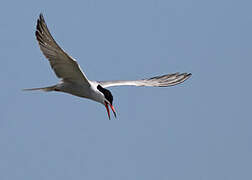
column 108, row 99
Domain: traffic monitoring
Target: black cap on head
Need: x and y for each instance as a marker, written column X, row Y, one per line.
column 106, row 93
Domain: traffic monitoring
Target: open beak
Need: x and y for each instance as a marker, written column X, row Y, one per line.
column 112, row 107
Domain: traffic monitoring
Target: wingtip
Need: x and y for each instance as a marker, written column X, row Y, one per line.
column 188, row 74
column 39, row 27
column 41, row 17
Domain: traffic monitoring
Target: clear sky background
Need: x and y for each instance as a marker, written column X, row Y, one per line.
column 199, row 130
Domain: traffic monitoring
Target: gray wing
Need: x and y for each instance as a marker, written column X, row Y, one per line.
column 158, row 81
column 64, row 66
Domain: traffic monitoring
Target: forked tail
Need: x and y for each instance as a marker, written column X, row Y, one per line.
column 46, row 89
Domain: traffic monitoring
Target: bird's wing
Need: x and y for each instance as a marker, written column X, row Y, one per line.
column 64, row 66
column 158, row 81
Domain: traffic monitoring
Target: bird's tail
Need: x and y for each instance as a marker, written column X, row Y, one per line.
column 46, row 89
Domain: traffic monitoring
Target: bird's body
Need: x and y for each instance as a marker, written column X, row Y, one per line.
column 75, row 82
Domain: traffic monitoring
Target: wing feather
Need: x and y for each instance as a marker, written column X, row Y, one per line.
column 64, row 66
column 157, row 81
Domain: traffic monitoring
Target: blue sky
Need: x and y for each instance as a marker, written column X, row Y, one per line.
column 199, row 130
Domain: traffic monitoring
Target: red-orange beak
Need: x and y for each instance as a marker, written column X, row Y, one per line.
column 112, row 107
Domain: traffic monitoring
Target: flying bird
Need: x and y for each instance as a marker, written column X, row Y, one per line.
column 75, row 82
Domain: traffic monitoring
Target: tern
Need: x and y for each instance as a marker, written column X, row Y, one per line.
column 75, row 82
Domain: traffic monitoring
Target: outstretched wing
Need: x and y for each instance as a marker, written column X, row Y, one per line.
column 64, row 66
column 158, row 81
